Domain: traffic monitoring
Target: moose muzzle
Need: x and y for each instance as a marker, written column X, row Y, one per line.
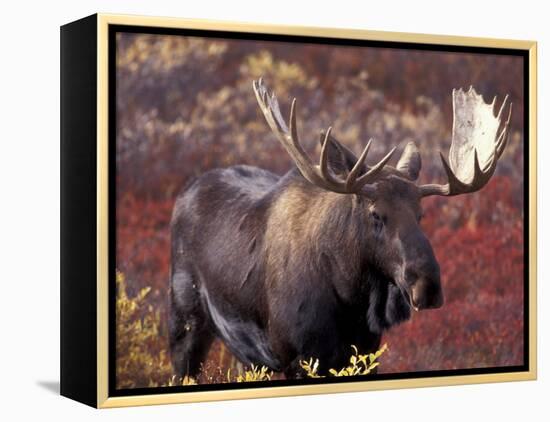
column 426, row 293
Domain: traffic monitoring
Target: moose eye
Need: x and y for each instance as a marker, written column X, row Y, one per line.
column 378, row 219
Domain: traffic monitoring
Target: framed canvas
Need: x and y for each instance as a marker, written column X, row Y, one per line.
column 258, row 211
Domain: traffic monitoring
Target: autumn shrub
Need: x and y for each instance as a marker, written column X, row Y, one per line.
column 359, row 364
column 142, row 356
column 140, row 359
column 255, row 373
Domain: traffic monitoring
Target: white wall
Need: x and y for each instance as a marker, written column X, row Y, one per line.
column 29, row 231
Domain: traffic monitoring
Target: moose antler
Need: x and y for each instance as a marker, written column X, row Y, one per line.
column 476, row 145
column 319, row 175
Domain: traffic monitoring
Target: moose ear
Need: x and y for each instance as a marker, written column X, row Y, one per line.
column 410, row 163
column 340, row 159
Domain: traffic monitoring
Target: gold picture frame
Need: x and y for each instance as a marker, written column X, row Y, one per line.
column 96, row 34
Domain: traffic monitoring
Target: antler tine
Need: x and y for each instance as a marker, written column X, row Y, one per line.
column 319, row 175
column 504, row 134
column 373, row 173
column 323, row 160
column 272, row 113
column 292, row 122
column 502, row 107
column 288, row 136
column 476, row 145
column 352, row 176
column 503, row 137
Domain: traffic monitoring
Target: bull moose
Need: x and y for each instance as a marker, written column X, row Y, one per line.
column 284, row 268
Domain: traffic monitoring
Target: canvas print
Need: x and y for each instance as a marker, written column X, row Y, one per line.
column 290, row 211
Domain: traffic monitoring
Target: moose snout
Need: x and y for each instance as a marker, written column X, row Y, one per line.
column 427, row 294
column 422, row 274
column 425, row 286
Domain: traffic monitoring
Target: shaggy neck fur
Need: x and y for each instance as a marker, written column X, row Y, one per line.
column 327, row 231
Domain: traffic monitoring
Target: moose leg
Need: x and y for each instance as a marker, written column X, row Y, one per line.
column 189, row 326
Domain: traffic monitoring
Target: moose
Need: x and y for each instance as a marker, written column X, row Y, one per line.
column 285, row 268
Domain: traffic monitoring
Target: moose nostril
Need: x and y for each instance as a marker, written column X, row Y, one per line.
column 418, row 299
column 427, row 294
